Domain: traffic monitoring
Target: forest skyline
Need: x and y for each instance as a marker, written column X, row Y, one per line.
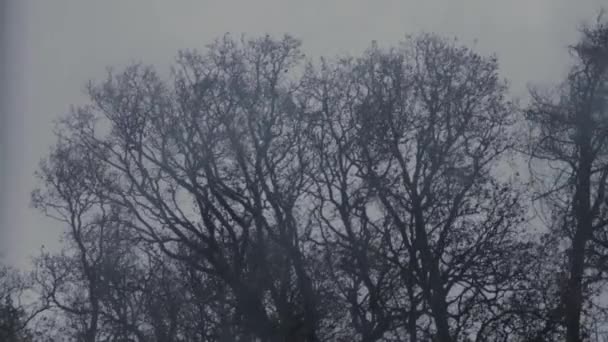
column 70, row 43
column 251, row 191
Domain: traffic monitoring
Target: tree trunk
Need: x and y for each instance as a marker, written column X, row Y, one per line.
column 582, row 211
column 437, row 296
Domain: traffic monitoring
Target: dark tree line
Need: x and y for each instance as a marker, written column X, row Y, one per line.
column 258, row 196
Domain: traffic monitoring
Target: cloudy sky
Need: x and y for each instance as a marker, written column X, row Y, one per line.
column 54, row 46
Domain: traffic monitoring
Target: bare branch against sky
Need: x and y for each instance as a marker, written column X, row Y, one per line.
column 287, row 170
column 51, row 48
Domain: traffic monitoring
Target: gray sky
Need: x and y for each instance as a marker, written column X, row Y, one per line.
column 55, row 46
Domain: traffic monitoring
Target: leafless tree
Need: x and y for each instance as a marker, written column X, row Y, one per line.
column 255, row 197
column 18, row 309
column 568, row 146
column 411, row 141
column 215, row 164
column 350, row 232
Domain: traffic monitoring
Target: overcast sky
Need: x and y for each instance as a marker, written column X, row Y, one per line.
column 54, row 46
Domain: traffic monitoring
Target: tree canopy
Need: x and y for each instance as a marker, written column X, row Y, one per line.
column 255, row 195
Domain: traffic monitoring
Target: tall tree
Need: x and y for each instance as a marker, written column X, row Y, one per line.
column 569, row 143
column 252, row 197
column 215, row 164
column 416, row 136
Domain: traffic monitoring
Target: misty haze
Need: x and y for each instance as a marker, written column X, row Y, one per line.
column 277, row 171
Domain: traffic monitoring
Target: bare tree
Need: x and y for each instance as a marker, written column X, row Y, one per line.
column 415, row 137
column 253, row 197
column 108, row 282
column 17, row 307
column 72, row 280
column 351, row 233
column 215, row 164
column 569, row 137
